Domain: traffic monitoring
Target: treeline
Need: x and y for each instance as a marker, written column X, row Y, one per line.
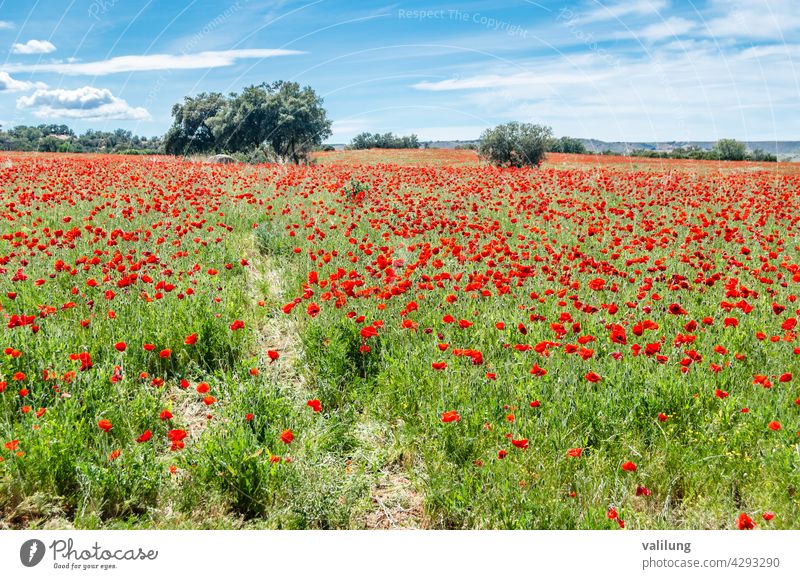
column 723, row 150
column 61, row 139
column 383, row 141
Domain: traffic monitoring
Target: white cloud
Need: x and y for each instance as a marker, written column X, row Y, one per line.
column 34, row 47
column 151, row 62
column 521, row 80
column 669, row 28
column 700, row 94
column 619, row 10
column 8, row 84
column 775, row 20
column 6, row 25
column 88, row 103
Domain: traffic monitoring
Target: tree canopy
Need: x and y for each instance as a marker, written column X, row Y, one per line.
column 384, row 141
column 60, row 138
column 282, row 119
column 515, row 144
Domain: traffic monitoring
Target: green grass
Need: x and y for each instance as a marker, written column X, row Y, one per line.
column 381, row 419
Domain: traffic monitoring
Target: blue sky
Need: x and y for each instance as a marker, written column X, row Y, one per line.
column 635, row 70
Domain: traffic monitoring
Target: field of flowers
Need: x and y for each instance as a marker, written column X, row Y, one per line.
column 380, row 342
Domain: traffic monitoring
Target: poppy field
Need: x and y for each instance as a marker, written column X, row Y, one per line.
column 379, row 344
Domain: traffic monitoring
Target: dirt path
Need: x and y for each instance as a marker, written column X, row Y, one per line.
column 395, row 504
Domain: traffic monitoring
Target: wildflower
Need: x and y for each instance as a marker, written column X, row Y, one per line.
column 745, row 523
column 592, row 377
column 451, row 416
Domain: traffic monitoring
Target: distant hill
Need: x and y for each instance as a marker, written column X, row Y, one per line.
column 780, row 148
column 784, row 150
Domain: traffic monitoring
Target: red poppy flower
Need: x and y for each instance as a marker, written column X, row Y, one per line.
column 521, row 443
column 287, row 436
column 146, row 435
column 369, row 332
column 745, row 523
column 165, row 353
column 629, row 466
column 451, row 416
column 190, row 340
column 676, row 309
column 104, row 425
column 273, row 355
column 237, row 325
column 537, row 371
column 315, row 405
column 774, row 425
column 120, row 346
column 438, row 365
column 575, row 452
column 165, row 415
column 592, row 377
column 177, row 436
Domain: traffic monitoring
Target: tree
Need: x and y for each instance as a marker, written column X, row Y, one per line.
column 763, row 156
column 730, row 150
column 287, row 122
column 190, row 131
column 568, row 145
column 515, row 144
column 301, row 124
column 385, row 141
